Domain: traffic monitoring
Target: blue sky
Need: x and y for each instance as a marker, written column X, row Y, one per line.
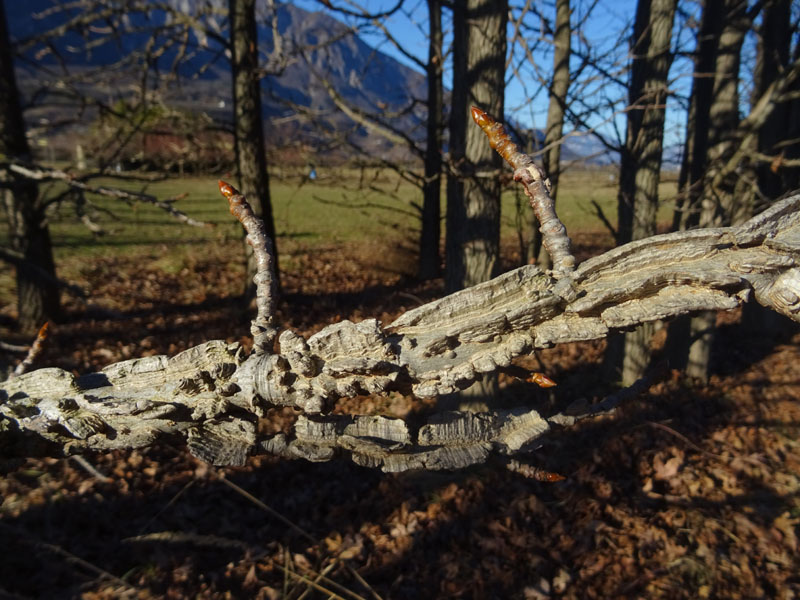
column 605, row 34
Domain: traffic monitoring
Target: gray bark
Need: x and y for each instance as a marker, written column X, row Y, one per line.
column 457, row 129
column 774, row 51
column 695, row 157
column 209, row 396
column 474, row 231
column 640, row 168
column 718, row 205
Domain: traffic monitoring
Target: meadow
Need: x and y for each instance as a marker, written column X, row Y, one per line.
column 342, row 206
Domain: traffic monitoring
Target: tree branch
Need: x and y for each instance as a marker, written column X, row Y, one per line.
column 209, row 396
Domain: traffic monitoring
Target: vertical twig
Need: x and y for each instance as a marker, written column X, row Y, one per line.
column 537, row 188
column 262, row 327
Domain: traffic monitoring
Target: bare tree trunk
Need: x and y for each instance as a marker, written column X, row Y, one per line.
column 476, row 245
column 695, row 158
column 773, row 56
column 38, row 297
column 429, row 266
column 718, row 204
column 641, row 165
column 456, row 216
column 774, row 50
column 474, row 218
column 251, row 158
column 556, row 108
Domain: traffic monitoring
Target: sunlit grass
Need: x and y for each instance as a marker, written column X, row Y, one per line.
column 340, row 206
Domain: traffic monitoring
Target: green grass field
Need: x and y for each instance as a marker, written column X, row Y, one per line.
column 341, row 206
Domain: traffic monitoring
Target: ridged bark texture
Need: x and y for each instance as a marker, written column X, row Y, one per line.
column 475, row 229
column 718, row 206
column 641, row 159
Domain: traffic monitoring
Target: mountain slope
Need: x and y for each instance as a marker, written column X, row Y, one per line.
column 316, row 48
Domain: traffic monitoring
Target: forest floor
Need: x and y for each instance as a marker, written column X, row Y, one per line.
column 689, row 491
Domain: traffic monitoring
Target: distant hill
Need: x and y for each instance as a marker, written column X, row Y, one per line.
column 318, row 46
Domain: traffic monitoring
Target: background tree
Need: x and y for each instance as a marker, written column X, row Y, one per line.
column 251, row 157
column 37, row 287
column 640, row 166
column 473, row 200
column 717, row 204
column 473, row 225
column 429, row 257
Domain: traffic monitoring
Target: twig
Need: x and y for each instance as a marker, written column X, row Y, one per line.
column 570, row 416
column 41, row 173
column 328, row 581
column 34, row 352
column 262, row 327
column 537, row 188
column 172, row 501
column 180, row 537
column 309, row 582
column 6, row 347
column 687, row 441
column 363, row 582
column 319, row 577
column 268, row 509
column 90, row 468
column 532, row 472
column 598, row 211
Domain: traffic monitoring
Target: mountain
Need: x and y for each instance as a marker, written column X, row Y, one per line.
column 319, row 51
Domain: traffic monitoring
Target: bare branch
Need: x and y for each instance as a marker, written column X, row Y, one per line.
column 210, row 396
column 262, row 327
column 537, row 188
column 40, row 173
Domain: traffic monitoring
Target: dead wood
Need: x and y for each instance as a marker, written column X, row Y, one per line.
column 210, row 396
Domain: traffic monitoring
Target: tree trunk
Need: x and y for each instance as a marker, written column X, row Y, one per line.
column 429, row 266
column 773, row 56
column 718, row 204
column 474, row 217
column 476, row 242
column 774, row 50
column 37, row 288
column 556, row 108
column 457, row 127
column 695, row 158
column 641, row 164
column 251, row 158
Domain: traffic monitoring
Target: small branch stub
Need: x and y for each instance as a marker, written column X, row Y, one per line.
column 262, row 327
column 537, row 188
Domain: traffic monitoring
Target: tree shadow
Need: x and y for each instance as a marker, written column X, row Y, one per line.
column 479, row 533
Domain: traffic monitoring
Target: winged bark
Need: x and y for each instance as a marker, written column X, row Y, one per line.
column 210, row 396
